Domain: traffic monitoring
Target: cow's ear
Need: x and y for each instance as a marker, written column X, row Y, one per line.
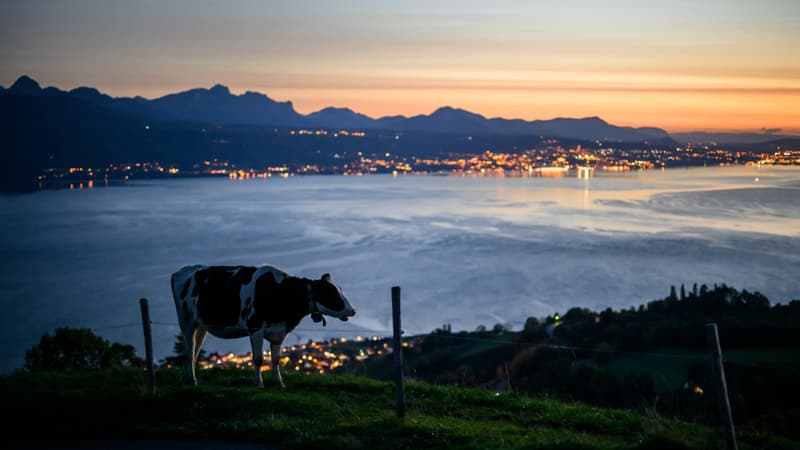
column 326, row 277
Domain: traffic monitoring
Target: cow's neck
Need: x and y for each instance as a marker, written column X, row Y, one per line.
column 300, row 292
column 313, row 307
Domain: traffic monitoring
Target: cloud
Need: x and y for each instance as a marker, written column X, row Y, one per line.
column 771, row 130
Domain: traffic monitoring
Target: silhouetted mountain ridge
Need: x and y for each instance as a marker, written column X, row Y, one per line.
column 332, row 117
column 704, row 137
column 25, row 85
column 217, row 105
column 445, row 120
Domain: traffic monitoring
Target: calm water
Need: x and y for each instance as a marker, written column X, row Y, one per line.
column 466, row 251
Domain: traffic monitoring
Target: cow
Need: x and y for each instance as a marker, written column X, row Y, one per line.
column 260, row 302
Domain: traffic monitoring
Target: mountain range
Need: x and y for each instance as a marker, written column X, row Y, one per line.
column 217, row 105
column 49, row 128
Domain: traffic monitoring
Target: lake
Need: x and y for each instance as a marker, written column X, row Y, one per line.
column 465, row 250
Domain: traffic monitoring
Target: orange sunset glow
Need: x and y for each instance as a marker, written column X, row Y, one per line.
column 682, row 66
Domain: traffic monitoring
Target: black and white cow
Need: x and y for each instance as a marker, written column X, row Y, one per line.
column 259, row 302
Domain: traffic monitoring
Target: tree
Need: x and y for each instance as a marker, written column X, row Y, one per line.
column 683, row 293
column 531, row 325
column 446, row 329
column 78, row 349
column 672, row 295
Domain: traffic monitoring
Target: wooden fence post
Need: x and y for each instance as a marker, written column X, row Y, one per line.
column 398, row 353
column 718, row 372
column 148, row 346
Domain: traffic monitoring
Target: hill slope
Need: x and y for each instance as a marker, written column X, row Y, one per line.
column 325, row 412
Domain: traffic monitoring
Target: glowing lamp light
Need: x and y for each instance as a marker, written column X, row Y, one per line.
column 698, row 390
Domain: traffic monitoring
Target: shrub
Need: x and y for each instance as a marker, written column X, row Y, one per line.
column 78, row 348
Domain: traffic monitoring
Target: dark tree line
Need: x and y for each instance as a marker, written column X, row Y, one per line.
column 78, row 349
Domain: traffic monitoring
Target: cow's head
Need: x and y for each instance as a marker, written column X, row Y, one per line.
column 328, row 299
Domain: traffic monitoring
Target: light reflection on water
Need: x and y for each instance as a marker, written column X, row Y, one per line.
column 466, row 250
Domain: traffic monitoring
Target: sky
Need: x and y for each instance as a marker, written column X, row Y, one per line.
column 717, row 65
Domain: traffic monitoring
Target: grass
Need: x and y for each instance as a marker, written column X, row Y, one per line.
column 669, row 366
column 668, row 372
column 329, row 412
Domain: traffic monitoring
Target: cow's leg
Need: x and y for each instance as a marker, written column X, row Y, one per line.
column 275, row 351
column 257, row 344
column 189, row 354
column 200, row 334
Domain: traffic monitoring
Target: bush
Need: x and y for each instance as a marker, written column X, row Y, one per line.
column 78, row 348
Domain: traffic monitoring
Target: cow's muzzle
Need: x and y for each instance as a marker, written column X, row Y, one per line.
column 349, row 314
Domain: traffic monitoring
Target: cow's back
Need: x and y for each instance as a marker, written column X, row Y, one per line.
column 219, row 289
column 180, row 278
column 221, row 297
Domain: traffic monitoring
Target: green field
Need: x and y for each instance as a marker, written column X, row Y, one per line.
column 327, row 412
column 669, row 366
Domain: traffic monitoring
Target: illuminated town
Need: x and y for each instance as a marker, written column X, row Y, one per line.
column 551, row 158
column 312, row 357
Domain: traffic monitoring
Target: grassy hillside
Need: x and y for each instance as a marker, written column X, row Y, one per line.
column 652, row 358
column 326, row 412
